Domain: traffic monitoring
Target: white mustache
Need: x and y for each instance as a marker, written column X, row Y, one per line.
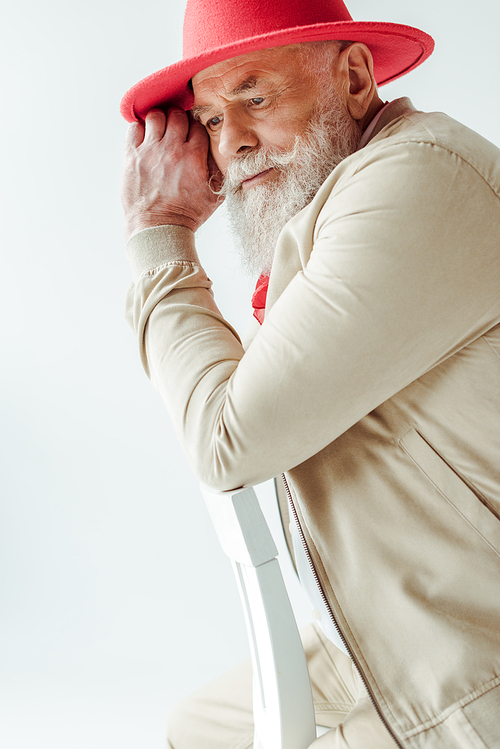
column 251, row 164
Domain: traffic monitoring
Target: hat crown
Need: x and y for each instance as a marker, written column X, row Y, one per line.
column 211, row 24
column 216, row 30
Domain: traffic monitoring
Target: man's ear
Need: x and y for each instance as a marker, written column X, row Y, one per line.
column 356, row 63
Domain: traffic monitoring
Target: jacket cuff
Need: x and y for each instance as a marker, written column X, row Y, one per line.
column 159, row 245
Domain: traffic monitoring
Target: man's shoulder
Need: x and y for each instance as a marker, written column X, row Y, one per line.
column 414, row 161
column 445, row 134
column 410, row 149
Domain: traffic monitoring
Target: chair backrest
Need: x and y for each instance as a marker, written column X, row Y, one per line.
column 282, row 699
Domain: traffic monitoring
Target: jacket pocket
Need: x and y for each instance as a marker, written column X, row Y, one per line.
column 452, row 488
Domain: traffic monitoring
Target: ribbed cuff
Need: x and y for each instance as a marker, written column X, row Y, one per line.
column 158, row 245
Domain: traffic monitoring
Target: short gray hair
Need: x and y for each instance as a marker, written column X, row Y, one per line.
column 317, row 57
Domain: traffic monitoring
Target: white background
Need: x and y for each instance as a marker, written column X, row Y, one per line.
column 115, row 599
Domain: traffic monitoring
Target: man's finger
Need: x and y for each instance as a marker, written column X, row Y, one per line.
column 177, row 125
column 197, row 133
column 155, row 124
column 216, row 177
column 135, row 135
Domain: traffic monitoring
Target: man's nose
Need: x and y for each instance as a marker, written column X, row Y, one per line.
column 236, row 135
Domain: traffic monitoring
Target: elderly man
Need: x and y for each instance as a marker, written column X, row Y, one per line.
column 373, row 383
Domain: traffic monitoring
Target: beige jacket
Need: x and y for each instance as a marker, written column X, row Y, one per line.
column 374, row 383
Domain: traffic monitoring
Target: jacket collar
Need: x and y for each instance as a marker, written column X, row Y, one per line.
column 392, row 111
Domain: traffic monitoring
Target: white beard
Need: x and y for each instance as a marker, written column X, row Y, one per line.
column 258, row 214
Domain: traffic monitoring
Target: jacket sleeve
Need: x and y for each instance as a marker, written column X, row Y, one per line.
column 403, row 273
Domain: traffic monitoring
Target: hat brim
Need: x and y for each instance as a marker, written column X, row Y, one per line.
column 396, row 49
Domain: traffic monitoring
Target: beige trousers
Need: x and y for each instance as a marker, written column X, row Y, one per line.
column 219, row 716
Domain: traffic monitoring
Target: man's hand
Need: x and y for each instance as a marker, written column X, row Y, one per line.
column 166, row 173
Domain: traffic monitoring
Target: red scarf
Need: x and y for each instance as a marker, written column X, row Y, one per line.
column 259, row 298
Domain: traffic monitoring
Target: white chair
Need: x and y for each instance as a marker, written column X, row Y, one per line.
column 282, row 699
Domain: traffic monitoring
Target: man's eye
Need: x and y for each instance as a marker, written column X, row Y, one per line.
column 257, row 100
column 213, row 122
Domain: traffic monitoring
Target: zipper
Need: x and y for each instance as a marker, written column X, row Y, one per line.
column 332, row 615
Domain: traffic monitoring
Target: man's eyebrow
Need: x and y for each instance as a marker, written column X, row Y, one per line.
column 245, row 85
column 197, row 112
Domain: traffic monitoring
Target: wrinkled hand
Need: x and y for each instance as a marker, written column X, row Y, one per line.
column 166, row 173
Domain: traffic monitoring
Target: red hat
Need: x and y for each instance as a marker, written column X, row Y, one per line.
column 216, row 30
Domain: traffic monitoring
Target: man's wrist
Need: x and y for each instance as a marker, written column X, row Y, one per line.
column 155, row 246
column 135, row 225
